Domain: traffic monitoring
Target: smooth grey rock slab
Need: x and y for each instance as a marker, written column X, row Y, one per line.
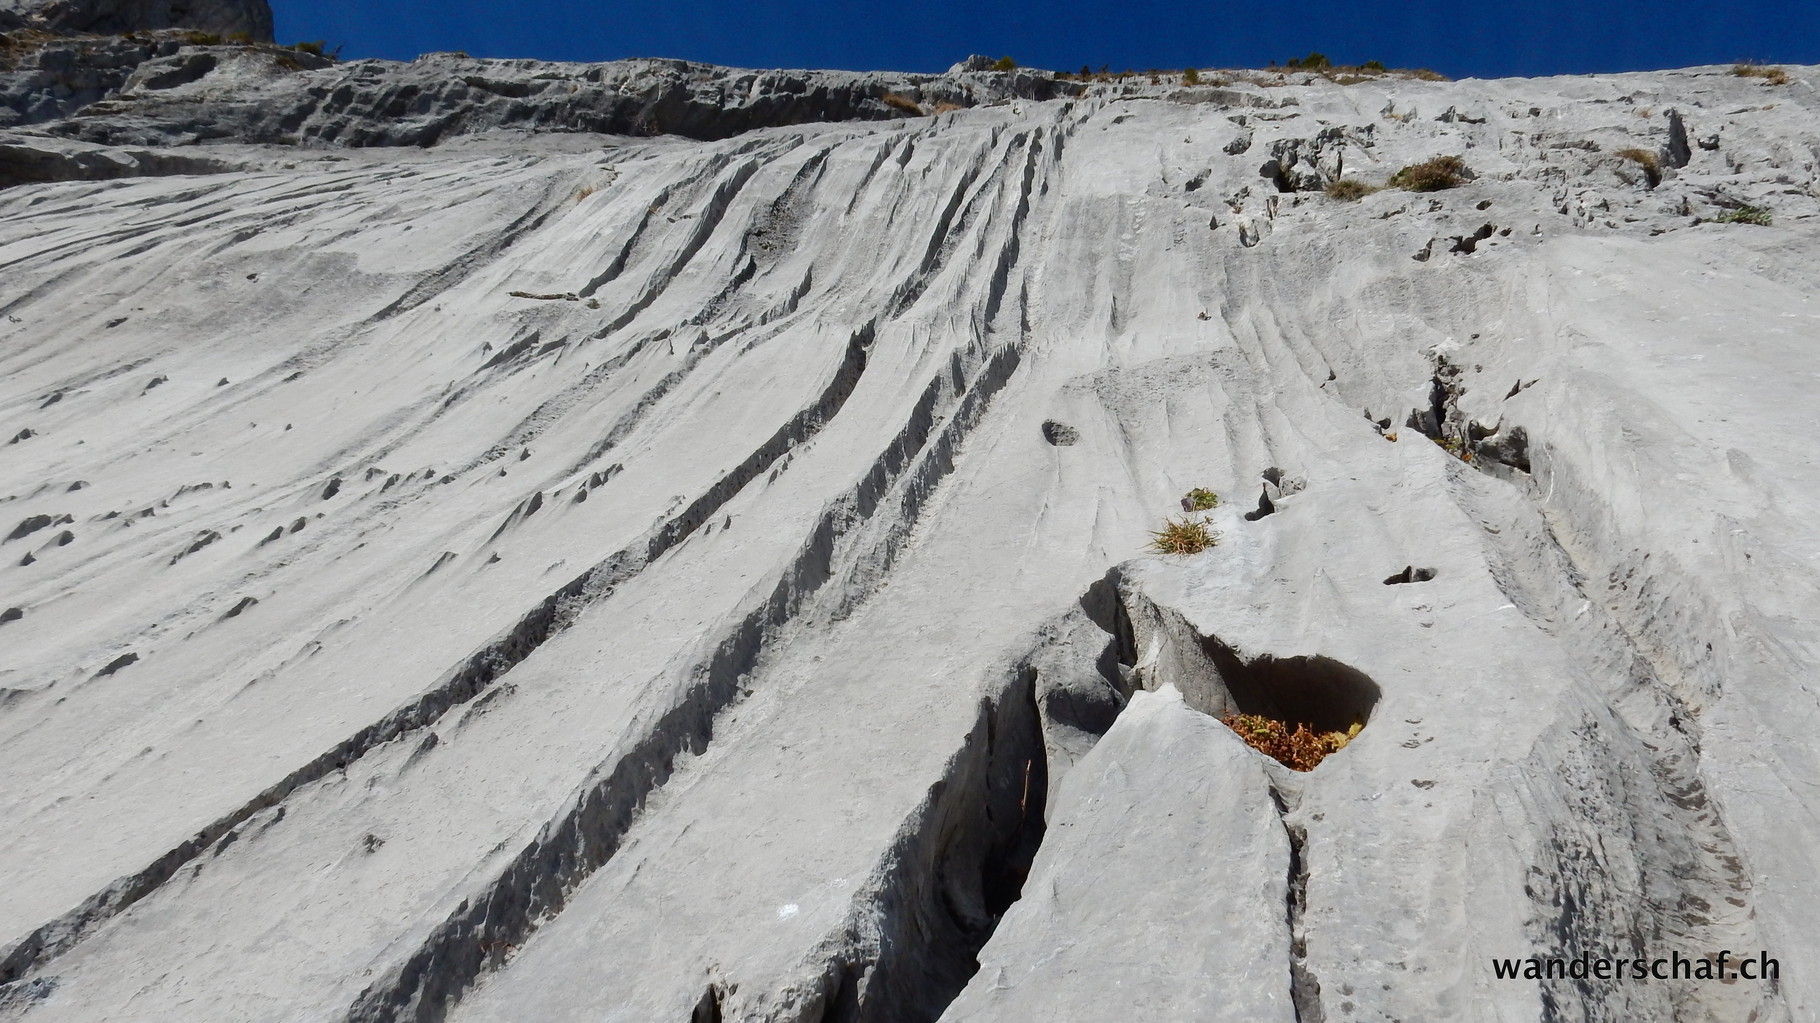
column 1159, row 891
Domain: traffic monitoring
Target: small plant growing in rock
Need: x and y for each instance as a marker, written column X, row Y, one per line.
column 897, row 101
column 1349, row 190
column 1772, row 75
column 1745, row 215
column 1300, row 748
column 1455, row 447
column 1652, row 166
column 1192, row 76
column 1004, row 64
column 1201, row 499
column 1312, row 62
column 1187, row 535
column 1434, row 175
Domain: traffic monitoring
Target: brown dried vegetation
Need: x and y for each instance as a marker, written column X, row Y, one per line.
column 1300, row 748
column 1772, row 75
column 1434, row 175
column 898, row 101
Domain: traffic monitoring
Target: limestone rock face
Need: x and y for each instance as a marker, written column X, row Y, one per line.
column 261, row 94
column 58, row 77
column 502, row 541
column 112, row 17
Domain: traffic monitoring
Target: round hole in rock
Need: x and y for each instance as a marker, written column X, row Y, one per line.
column 1253, row 693
column 1317, row 691
column 1411, row 574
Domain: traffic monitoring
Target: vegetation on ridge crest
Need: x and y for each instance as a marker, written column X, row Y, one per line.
column 1772, row 75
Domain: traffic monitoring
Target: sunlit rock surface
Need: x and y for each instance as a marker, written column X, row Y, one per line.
column 687, row 573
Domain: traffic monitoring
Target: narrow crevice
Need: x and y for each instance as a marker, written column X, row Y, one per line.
column 957, row 866
column 1304, row 986
column 940, row 236
column 708, row 1010
column 871, row 552
column 961, row 860
column 1000, row 278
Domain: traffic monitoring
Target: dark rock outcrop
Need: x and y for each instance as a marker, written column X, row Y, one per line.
column 285, row 97
column 252, row 18
column 47, row 78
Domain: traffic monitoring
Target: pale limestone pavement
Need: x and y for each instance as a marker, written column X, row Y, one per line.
column 671, row 551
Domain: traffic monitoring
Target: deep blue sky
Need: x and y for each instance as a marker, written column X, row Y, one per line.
column 1462, row 38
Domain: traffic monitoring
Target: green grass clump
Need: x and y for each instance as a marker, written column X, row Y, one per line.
column 1187, row 535
column 1745, row 215
column 1201, row 499
column 1312, row 62
column 1004, row 64
column 1434, row 175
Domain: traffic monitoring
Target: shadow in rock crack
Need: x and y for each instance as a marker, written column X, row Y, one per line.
column 960, row 862
column 1217, row 679
column 954, row 870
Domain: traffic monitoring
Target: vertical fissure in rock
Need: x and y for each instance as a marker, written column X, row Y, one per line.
column 961, row 862
column 708, row 1009
column 1304, row 986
